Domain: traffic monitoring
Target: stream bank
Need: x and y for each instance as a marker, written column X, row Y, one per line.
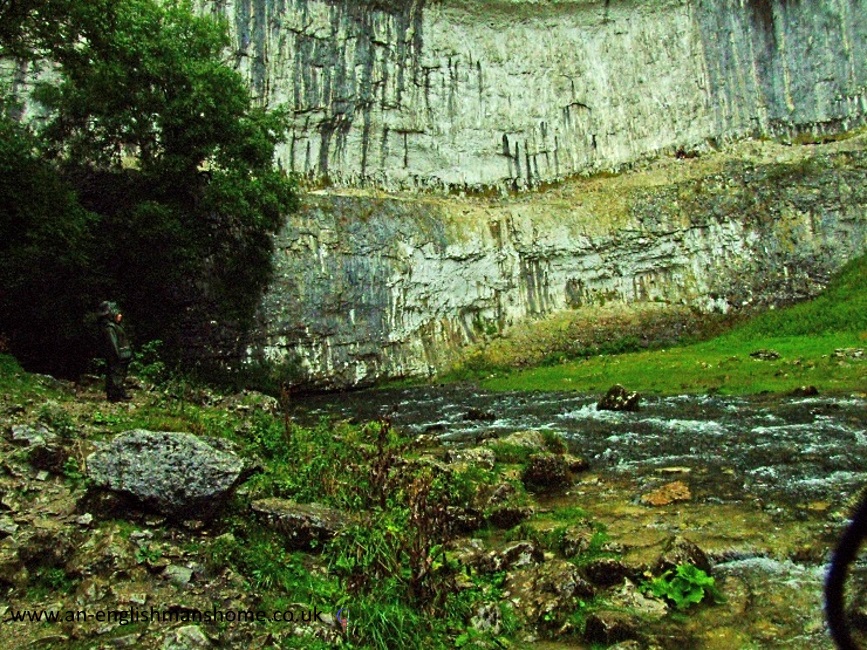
column 769, row 484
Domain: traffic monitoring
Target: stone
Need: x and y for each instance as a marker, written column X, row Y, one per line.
column 680, row 550
column 473, row 553
column 487, row 619
column 475, row 456
column 532, row 440
column 606, row 572
column 502, row 504
column 176, row 474
column 304, row 526
column 667, row 494
column 179, row 575
column 546, row 594
column 509, row 516
column 611, row 626
column 518, row 554
column 619, row 399
column 851, row 354
column 575, row 464
column 125, row 641
column 13, row 570
column 765, row 355
column 48, row 457
column 479, row 415
column 7, row 526
column 545, row 470
column 629, row 597
column 32, row 436
column 188, row 637
column 805, row 391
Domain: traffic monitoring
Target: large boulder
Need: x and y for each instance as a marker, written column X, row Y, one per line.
column 547, row 471
column 176, row 474
column 546, row 594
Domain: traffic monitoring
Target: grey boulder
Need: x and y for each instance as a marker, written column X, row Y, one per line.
column 177, row 474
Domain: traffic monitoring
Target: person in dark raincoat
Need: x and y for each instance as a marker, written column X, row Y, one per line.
column 116, row 350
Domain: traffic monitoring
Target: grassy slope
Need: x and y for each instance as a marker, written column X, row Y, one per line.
column 806, row 336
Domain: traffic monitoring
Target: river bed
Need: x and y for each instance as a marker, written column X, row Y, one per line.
column 771, row 482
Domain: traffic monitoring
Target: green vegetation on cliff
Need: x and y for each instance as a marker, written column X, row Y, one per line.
column 817, row 343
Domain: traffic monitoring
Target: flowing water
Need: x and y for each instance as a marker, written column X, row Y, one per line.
column 771, row 480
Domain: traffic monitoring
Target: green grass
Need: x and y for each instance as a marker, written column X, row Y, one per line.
column 805, row 335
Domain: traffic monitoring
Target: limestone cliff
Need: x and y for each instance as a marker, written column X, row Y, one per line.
column 462, row 93
column 371, row 286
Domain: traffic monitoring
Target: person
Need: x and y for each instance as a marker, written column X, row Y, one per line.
column 117, row 352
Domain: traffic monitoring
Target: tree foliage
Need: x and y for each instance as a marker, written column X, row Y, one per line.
column 160, row 166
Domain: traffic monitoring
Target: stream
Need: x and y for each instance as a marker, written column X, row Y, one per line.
column 771, row 481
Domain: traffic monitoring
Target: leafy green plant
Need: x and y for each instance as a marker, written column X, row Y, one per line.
column 148, row 553
column 687, row 585
column 148, row 364
column 50, row 579
column 73, row 472
column 56, row 417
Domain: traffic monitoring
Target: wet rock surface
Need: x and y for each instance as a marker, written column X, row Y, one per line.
column 771, row 479
column 619, row 399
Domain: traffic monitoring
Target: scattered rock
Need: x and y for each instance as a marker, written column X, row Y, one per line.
column 610, row 626
column 575, row 464
column 619, row 399
column 630, row 598
column 7, row 526
column 545, row 470
column 546, row 594
column 477, row 456
column 667, row 494
column 520, row 554
column 248, row 401
column 606, row 572
column 305, row 526
column 487, row 618
column 179, row 575
column 848, row 353
column 576, row 539
column 679, row 550
column 13, row 572
column 126, row 641
column 31, row 436
column 48, row 457
column 532, row 440
column 189, row 637
column 478, row 415
column 628, row 645
column 765, row 355
column 501, row 505
column 507, row 516
column 177, row 474
column 473, row 553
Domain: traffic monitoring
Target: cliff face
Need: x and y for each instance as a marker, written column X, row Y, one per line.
column 371, row 288
column 456, row 95
column 463, row 93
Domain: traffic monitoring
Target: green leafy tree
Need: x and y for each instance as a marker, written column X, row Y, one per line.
column 158, row 138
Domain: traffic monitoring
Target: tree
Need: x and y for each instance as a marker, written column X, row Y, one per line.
column 161, row 142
